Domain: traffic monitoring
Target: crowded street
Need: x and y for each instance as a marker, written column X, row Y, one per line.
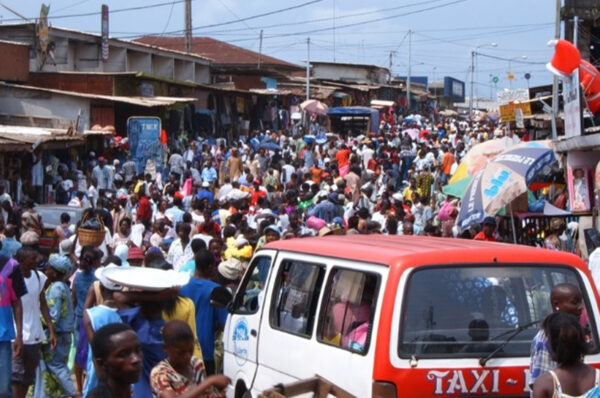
column 185, row 216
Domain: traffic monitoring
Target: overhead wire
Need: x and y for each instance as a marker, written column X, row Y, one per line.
column 119, row 10
column 326, row 29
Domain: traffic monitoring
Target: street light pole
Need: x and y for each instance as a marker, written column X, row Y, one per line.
column 472, row 83
column 408, row 75
column 473, row 54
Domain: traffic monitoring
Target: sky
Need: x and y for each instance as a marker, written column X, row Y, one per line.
column 443, row 32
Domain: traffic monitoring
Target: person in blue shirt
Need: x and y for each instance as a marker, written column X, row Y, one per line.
column 204, row 193
column 88, row 262
column 209, row 173
column 209, row 319
column 53, row 378
column 10, row 245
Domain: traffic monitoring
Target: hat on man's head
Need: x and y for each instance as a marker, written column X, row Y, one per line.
column 64, row 247
column 205, row 184
column 489, row 221
column 136, row 253
column 60, row 262
column 273, row 228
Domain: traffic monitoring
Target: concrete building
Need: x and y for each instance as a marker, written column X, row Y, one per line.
column 245, row 69
column 350, row 73
column 72, row 50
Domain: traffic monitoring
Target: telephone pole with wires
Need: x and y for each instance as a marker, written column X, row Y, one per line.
column 260, row 48
column 308, row 68
column 188, row 26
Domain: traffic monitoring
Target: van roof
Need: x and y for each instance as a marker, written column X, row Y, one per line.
column 415, row 250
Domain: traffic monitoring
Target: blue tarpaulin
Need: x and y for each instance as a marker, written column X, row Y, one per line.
column 357, row 111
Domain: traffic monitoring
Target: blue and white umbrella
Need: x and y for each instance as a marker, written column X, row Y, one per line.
column 503, row 179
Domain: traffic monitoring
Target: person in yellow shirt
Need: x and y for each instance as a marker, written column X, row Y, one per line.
column 409, row 190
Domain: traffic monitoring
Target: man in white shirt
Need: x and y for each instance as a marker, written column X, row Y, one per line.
column 180, row 251
column 594, row 264
column 34, row 307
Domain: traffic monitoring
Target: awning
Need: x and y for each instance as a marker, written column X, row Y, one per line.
column 582, row 142
column 19, row 138
column 350, row 111
column 270, row 91
column 139, row 101
column 375, row 103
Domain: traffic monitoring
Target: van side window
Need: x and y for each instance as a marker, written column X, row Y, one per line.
column 473, row 311
column 250, row 292
column 295, row 297
column 348, row 309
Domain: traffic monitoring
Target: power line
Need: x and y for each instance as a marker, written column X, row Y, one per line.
column 120, row 10
column 313, row 31
column 72, row 5
column 265, row 14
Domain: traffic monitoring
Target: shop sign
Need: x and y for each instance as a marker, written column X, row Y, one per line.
column 508, row 112
column 144, row 140
column 104, row 35
column 572, row 105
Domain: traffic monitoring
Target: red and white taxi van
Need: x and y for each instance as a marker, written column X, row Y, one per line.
column 393, row 316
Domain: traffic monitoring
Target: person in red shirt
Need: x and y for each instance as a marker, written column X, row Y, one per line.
column 343, row 158
column 257, row 192
column 144, row 213
column 447, row 161
column 487, row 230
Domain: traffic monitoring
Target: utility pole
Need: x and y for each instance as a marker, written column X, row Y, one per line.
column 408, row 74
column 472, row 83
column 308, row 68
column 555, row 80
column 390, row 67
column 260, row 48
column 188, row 26
column 334, row 31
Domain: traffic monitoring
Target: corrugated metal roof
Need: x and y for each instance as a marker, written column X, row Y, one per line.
column 222, row 54
column 140, row 101
column 20, row 138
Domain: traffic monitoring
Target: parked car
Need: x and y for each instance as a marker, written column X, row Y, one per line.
column 395, row 316
column 51, row 219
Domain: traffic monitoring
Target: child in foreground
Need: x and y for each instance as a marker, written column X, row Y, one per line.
column 181, row 374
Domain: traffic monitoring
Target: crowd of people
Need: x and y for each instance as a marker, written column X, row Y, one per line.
column 204, row 212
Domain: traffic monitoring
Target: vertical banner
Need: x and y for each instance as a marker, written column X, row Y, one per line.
column 144, row 141
column 104, row 32
column 572, row 105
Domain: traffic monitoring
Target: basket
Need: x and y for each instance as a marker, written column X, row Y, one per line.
column 91, row 237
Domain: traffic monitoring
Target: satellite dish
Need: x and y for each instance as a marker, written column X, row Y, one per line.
column 527, row 76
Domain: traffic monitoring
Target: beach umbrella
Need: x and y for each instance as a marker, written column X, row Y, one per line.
column 314, row 106
column 503, row 179
column 457, row 188
column 479, row 155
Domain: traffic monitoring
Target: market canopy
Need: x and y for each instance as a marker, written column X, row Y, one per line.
column 20, row 138
column 350, row 111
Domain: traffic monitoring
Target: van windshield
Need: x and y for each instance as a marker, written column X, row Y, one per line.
column 469, row 311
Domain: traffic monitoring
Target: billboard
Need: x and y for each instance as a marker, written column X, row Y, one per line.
column 572, row 101
column 454, row 89
column 424, row 80
column 104, row 29
column 144, row 140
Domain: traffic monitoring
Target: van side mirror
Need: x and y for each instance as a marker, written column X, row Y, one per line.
column 220, row 297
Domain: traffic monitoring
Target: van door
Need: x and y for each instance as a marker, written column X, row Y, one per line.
column 241, row 335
